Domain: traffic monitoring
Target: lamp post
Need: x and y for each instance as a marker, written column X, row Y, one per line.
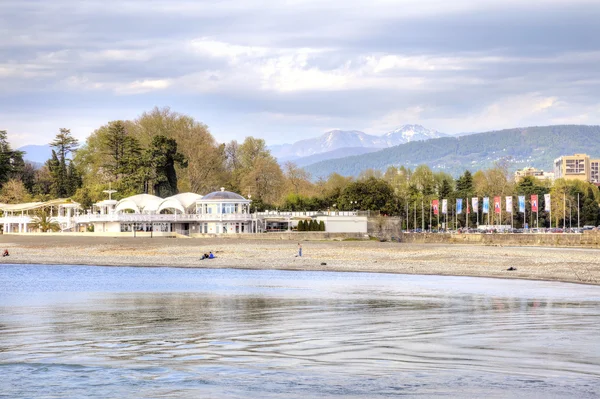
column 252, row 227
column 422, row 216
column 570, row 216
column 577, row 211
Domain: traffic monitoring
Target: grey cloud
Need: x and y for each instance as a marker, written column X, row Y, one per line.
column 505, row 51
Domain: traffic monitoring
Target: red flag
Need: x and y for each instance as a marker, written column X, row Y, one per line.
column 534, row 203
column 436, row 205
column 497, row 204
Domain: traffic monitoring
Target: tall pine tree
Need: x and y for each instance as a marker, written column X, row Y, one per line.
column 65, row 179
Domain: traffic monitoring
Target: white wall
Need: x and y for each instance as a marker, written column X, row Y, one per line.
column 344, row 224
column 107, row 227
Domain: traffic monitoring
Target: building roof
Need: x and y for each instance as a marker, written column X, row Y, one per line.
column 139, row 203
column 223, row 195
column 182, row 202
column 36, row 205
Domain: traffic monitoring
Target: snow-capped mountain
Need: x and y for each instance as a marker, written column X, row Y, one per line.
column 409, row 133
column 336, row 140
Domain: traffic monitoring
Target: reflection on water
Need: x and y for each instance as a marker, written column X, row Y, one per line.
column 156, row 332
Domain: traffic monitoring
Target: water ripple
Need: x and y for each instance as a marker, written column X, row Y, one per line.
column 295, row 335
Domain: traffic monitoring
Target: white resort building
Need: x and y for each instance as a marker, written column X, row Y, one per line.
column 220, row 212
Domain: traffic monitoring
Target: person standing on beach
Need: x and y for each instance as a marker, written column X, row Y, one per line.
column 299, row 249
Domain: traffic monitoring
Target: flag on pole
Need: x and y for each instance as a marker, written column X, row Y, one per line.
column 547, row 203
column 458, row 206
column 521, row 203
column 497, row 204
column 436, row 204
column 486, row 204
column 534, row 203
column 475, row 203
column 509, row 207
column 445, row 206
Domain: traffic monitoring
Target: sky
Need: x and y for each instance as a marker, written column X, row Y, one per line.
column 288, row 70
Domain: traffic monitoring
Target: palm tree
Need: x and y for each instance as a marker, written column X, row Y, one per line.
column 43, row 221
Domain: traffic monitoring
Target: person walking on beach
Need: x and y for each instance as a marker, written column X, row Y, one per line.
column 299, row 249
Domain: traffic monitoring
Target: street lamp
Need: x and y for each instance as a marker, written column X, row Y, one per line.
column 570, row 217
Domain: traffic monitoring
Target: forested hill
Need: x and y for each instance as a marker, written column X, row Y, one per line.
column 532, row 146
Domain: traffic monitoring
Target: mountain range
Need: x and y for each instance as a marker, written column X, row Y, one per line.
column 339, row 143
column 532, row 146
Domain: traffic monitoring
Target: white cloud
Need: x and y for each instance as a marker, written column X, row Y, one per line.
column 143, row 86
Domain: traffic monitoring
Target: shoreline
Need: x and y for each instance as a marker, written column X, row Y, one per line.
column 571, row 265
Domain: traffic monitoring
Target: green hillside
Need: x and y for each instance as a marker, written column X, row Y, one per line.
column 532, row 146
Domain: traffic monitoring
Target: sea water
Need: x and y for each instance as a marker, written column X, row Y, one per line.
column 97, row 332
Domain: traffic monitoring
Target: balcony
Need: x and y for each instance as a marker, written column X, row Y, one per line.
column 173, row 218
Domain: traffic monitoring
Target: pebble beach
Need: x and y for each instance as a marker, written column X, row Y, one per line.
column 536, row 263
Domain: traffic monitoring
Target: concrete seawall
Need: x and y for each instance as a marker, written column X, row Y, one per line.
column 293, row 236
column 586, row 240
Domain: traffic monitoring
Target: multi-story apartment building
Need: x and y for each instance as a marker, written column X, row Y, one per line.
column 577, row 167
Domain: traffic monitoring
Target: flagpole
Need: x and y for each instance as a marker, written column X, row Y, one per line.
column 422, row 217
column 525, row 212
column 564, row 211
column 500, row 210
column 415, row 220
column 512, row 214
column 430, row 218
column 467, row 220
column 577, row 211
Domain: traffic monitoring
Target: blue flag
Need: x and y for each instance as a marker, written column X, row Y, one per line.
column 458, row 205
column 486, row 204
column 521, row 203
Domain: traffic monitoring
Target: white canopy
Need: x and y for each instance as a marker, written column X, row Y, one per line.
column 181, row 202
column 141, row 203
column 36, row 205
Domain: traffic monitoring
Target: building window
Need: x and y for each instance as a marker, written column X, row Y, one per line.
column 574, row 166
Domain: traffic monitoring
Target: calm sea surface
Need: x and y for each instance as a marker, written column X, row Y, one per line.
column 99, row 332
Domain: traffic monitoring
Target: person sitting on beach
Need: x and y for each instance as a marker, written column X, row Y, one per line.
column 5, row 252
column 204, row 256
column 210, row 255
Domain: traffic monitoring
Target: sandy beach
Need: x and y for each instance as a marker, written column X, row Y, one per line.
column 556, row 264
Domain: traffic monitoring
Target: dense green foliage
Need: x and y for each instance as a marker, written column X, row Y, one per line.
column 11, row 161
column 163, row 153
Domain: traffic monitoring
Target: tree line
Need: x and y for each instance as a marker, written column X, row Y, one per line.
column 163, row 152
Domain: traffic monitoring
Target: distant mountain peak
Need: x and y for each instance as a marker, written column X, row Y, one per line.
column 337, row 139
column 414, row 133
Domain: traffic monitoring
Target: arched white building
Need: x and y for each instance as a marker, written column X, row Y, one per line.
column 220, row 212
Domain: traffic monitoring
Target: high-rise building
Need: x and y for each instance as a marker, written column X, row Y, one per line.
column 577, row 167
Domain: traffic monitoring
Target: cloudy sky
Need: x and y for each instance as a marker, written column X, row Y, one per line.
column 291, row 69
